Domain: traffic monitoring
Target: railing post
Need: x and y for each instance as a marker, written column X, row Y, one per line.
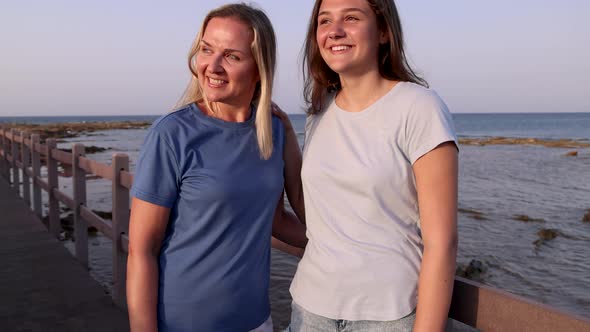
column 36, row 163
column 120, row 226
column 26, row 160
column 54, row 222
column 4, row 171
column 14, row 153
column 80, row 225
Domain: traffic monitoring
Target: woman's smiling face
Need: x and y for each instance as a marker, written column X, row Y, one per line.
column 348, row 36
column 227, row 71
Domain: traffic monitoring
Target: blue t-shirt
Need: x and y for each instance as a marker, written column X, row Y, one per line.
column 215, row 258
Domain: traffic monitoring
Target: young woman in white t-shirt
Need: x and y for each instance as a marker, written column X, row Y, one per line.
column 379, row 180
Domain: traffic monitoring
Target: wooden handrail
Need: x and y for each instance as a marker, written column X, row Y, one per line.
column 104, row 226
column 62, row 156
column 477, row 305
column 64, row 198
column 126, row 179
column 96, row 168
column 490, row 309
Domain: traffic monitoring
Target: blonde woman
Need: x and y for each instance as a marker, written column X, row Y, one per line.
column 208, row 189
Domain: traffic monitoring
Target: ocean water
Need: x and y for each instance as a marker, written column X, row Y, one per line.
column 496, row 184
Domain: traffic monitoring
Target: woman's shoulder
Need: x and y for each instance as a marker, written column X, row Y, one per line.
column 413, row 98
column 171, row 122
column 414, row 92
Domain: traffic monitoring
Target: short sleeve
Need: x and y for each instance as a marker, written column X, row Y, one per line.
column 157, row 172
column 429, row 124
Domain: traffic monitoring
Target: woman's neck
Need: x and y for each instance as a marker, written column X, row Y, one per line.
column 359, row 92
column 226, row 112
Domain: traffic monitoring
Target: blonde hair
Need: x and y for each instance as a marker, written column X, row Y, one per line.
column 264, row 52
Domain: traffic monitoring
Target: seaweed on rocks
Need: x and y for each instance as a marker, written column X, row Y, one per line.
column 525, row 218
column 75, row 129
column 474, row 270
column 474, row 214
column 89, row 149
column 545, row 234
column 559, row 143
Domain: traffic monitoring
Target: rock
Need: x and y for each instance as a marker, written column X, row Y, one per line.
column 473, row 270
column 63, row 236
column 586, row 217
column 572, row 154
column 477, row 215
column 525, row 218
column 499, row 140
column 89, row 149
column 74, row 129
column 545, row 234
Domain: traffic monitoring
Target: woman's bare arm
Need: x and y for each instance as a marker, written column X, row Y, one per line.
column 287, row 229
column 293, row 160
column 147, row 227
column 436, row 180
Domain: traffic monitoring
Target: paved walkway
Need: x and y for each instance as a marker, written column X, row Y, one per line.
column 42, row 286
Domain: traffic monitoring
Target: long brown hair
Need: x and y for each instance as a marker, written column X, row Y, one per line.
column 264, row 51
column 393, row 64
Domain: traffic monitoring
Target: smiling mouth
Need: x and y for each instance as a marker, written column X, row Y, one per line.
column 216, row 82
column 340, row 48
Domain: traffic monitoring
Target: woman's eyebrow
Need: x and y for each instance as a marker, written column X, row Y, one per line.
column 228, row 50
column 345, row 10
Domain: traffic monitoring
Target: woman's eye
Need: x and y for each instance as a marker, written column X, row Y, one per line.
column 324, row 21
column 351, row 18
column 233, row 57
column 206, row 50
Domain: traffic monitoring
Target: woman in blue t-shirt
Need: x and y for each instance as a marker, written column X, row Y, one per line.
column 208, row 188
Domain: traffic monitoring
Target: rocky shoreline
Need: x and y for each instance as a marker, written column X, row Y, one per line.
column 550, row 143
column 74, row 129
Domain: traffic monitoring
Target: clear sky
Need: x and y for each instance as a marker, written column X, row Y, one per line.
column 107, row 57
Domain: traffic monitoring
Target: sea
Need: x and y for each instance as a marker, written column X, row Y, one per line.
column 500, row 188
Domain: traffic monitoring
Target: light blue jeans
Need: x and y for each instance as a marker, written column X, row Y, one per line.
column 305, row 321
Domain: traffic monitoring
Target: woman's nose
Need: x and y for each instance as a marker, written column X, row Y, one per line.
column 336, row 31
column 216, row 65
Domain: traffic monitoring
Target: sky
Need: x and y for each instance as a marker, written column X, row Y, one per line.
column 107, row 57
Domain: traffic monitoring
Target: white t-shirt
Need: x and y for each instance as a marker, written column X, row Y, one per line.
column 364, row 252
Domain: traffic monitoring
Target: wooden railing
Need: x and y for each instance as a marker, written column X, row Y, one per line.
column 23, row 153
column 474, row 304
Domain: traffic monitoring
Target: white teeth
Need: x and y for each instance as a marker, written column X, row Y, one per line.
column 340, row 48
column 216, row 82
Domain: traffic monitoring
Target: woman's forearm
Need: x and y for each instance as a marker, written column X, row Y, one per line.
column 293, row 160
column 435, row 287
column 142, row 292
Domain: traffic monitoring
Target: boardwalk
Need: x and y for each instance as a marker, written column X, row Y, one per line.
column 42, row 286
